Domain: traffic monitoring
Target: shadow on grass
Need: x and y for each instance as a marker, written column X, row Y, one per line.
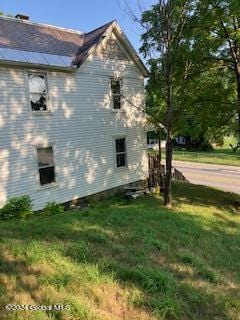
column 203, row 195
column 16, row 277
column 181, row 266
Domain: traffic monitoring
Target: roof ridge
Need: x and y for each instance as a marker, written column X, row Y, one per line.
column 44, row 25
column 104, row 25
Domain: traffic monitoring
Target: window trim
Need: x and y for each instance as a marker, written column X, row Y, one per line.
column 46, row 75
column 51, row 184
column 118, row 94
column 117, row 137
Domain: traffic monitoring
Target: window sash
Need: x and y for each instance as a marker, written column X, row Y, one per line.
column 116, row 93
column 116, row 86
column 120, row 144
column 46, row 176
column 44, row 167
column 123, row 152
column 41, row 106
column 121, row 159
column 37, row 94
column 120, row 154
column 44, row 77
column 43, row 93
column 116, row 101
column 49, row 159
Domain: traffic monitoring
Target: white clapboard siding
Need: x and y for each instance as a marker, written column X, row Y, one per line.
column 82, row 127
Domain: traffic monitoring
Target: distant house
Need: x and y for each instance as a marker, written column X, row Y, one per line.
column 153, row 140
column 153, row 143
column 68, row 126
column 180, row 140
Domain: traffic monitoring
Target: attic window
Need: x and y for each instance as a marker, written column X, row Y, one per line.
column 116, row 93
column 38, row 91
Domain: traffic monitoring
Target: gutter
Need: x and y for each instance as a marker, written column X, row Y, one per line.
column 6, row 63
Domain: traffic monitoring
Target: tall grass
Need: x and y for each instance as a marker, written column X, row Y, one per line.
column 127, row 259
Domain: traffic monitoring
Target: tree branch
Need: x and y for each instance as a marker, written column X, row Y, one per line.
column 133, row 105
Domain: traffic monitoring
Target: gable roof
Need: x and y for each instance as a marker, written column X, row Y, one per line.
column 22, row 41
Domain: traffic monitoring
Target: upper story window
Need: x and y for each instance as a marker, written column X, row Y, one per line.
column 38, row 91
column 46, row 166
column 116, row 93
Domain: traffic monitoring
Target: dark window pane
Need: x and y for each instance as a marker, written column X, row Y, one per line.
column 47, row 175
column 121, row 160
column 116, row 102
column 37, row 83
column 38, row 102
column 45, row 156
column 120, row 145
column 116, row 93
column 115, row 86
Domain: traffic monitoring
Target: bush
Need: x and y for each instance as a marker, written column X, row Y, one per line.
column 17, row 207
column 53, row 208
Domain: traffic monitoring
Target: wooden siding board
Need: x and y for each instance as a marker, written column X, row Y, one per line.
column 82, row 128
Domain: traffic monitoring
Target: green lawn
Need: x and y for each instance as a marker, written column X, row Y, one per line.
column 226, row 143
column 127, row 260
column 219, row 156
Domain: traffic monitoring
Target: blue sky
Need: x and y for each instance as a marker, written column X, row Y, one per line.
column 83, row 15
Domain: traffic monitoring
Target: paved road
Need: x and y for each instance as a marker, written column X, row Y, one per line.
column 219, row 176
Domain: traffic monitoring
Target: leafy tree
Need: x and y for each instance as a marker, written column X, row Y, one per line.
column 208, row 103
column 4, row 14
column 218, row 40
column 194, row 70
column 165, row 42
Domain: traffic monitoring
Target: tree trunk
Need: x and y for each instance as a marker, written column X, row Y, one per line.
column 169, row 142
column 168, row 177
column 238, row 103
column 159, row 148
column 237, row 70
column 161, row 172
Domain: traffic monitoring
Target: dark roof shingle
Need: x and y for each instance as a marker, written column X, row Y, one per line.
column 20, row 35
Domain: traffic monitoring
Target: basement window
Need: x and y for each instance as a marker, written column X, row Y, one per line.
column 116, row 93
column 37, row 83
column 121, row 154
column 46, row 166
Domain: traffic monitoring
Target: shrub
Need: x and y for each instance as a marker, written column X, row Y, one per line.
column 53, row 208
column 17, row 207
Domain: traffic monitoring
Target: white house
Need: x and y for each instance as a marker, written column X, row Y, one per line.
column 69, row 127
